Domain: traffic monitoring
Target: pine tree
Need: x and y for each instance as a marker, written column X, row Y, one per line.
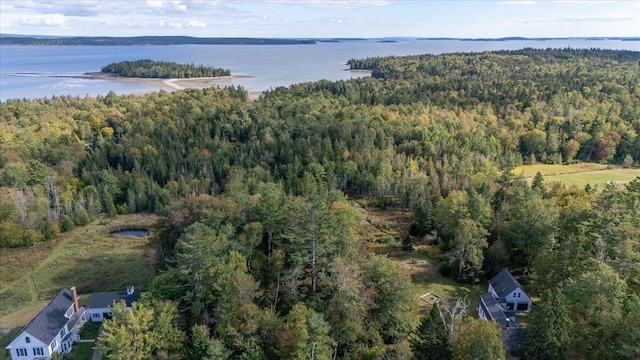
column 430, row 339
column 548, row 331
column 407, row 244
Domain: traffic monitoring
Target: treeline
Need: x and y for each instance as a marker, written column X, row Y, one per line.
column 254, row 187
column 162, row 69
column 145, row 40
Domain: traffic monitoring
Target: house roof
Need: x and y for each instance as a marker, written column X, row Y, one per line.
column 105, row 299
column 48, row 323
column 504, row 283
column 493, row 309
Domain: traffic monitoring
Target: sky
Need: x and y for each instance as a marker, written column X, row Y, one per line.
column 321, row 18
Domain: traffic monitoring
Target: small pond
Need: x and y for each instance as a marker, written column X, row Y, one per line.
column 131, row 232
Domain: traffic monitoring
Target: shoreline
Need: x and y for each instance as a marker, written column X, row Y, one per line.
column 161, row 83
column 169, row 84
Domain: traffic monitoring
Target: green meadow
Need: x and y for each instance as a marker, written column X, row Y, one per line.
column 88, row 258
column 579, row 175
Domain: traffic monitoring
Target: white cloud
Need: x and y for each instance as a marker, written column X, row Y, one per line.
column 67, row 7
column 580, row 19
column 194, row 23
column 44, row 19
column 168, row 5
column 331, row 4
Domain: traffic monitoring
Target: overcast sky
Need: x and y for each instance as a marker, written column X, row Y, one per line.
column 320, row 18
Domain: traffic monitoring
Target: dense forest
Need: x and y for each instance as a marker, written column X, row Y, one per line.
column 162, row 69
column 262, row 256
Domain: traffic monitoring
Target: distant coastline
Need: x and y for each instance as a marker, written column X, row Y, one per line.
column 28, row 40
column 142, row 40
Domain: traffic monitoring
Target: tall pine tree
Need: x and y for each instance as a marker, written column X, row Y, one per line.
column 430, row 339
column 548, row 331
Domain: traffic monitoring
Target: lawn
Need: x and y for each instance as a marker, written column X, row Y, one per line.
column 382, row 231
column 421, row 266
column 81, row 351
column 86, row 257
column 578, row 174
column 90, row 330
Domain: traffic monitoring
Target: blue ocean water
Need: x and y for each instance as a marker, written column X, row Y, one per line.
column 44, row 71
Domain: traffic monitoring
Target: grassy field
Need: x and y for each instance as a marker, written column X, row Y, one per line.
column 421, row 265
column 86, row 257
column 578, row 174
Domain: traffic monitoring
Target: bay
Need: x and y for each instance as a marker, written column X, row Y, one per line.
column 45, row 71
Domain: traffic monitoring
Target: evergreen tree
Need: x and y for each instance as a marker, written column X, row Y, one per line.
column 548, row 330
column 407, row 244
column 430, row 339
column 479, row 339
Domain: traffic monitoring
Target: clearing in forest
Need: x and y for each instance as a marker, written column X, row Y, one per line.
column 87, row 257
column 384, row 229
column 579, row 174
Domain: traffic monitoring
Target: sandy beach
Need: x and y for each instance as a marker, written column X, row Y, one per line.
column 166, row 84
column 172, row 83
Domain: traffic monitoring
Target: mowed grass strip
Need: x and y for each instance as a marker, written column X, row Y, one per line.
column 578, row 174
column 87, row 257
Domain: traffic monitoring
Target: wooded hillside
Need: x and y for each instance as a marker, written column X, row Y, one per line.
column 263, row 257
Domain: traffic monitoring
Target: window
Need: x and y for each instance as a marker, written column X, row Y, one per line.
column 21, row 352
column 53, row 344
column 64, row 347
column 62, row 332
column 38, row 351
column 27, row 340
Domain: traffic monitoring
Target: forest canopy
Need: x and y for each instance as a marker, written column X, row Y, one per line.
column 263, row 256
column 162, row 69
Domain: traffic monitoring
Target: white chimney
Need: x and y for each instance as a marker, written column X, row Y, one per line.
column 130, row 290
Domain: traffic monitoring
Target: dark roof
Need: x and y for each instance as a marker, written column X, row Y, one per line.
column 48, row 323
column 504, row 284
column 493, row 310
column 106, row 299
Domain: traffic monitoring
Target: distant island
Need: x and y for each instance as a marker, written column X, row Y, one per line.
column 162, row 70
column 144, row 40
column 13, row 39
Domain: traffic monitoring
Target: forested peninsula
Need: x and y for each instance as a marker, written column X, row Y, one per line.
column 162, row 70
column 263, row 248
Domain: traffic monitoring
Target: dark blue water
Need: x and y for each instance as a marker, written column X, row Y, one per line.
column 131, row 232
column 39, row 71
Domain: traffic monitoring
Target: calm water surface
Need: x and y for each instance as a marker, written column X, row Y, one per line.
column 44, row 71
column 130, row 233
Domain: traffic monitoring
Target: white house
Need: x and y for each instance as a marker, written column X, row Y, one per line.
column 53, row 330
column 99, row 307
column 509, row 293
column 504, row 298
